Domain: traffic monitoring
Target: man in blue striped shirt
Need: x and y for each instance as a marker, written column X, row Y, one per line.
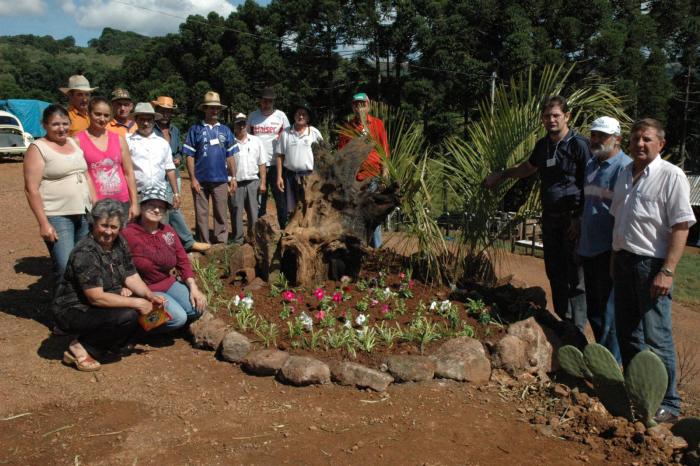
column 209, row 148
column 595, row 243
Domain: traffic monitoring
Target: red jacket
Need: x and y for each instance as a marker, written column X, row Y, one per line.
column 372, row 166
column 155, row 255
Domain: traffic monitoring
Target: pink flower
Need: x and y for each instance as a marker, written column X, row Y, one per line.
column 402, row 276
column 241, row 295
column 320, row 315
column 338, row 297
column 319, row 294
column 410, row 284
column 373, row 302
column 385, row 309
column 347, row 289
column 288, row 295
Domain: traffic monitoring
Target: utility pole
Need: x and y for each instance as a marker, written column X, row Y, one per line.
column 684, row 132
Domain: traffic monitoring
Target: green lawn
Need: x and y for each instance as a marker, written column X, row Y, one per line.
column 687, row 280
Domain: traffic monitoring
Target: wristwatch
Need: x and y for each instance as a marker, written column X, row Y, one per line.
column 666, row 271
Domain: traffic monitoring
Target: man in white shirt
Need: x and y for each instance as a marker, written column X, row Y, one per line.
column 150, row 153
column 250, row 178
column 267, row 124
column 651, row 205
column 295, row 156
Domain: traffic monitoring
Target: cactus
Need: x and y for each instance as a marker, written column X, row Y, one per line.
column 689, row 429
column 635, row 395
column 571, row 360
column 608, row 380
column 646, row 380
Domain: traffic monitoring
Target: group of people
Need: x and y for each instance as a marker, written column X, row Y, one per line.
column 613, row 231
column 104, row 185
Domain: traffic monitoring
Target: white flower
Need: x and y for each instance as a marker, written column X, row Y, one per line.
column 347, row 324
column 236, row 300
column 361, row 331
column 360, row 319
column 445, row 305
column 306, row 321
column 247, row 302
column 433, row 305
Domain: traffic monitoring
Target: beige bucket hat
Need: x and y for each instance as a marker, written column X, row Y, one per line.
column 211, row 99
column 77, row 82
column 145, row 108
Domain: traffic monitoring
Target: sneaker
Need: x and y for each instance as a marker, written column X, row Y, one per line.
column 200, row 247
column 663, row 415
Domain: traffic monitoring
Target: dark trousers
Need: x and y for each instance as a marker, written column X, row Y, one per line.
column 101, row 328
column 280, row 198
column 600, row 301
column 564, row 273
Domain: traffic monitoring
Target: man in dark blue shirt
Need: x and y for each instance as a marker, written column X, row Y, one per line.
column 560, row 158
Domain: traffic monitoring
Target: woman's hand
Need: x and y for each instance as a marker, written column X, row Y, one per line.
column 142, row 306
column 133, row 211
column 156, row 299
column 48, row 233
column 197, row 298
column 126, row 292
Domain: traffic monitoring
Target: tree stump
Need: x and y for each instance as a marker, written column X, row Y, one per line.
column 328, row 233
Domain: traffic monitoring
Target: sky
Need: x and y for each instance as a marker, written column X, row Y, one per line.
column 85, row 19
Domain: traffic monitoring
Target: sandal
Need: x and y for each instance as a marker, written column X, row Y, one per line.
column 87, row 364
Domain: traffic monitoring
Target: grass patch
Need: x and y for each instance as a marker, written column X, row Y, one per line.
column 687, row 282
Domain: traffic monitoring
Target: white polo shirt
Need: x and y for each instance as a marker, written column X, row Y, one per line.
column 151, row 157
column 268, row 128
column 296, row 147
column 251, row 154
column 645, row 212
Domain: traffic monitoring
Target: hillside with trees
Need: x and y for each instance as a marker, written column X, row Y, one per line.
column 433, row 59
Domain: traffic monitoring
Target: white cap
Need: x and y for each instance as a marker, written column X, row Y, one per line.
column 240, row 117
column 606, row 125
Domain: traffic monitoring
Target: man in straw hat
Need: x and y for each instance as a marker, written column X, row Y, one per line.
column 122, row 105
column 165, row 106
column 209, row 147
column 78, row 92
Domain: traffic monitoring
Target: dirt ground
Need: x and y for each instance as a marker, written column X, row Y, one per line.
column 171, row 404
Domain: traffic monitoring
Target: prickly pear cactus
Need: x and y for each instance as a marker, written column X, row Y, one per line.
column 646, row 380
column 689, row 429
column 608, row 380
column 571, row 360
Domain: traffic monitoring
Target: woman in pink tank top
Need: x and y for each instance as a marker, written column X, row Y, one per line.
column 108, row 160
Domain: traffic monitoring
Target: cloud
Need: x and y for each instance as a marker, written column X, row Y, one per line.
column 148, row 17
column 22, row 8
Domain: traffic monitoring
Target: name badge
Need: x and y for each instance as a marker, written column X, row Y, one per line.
column 214, row 142
column 551, row 162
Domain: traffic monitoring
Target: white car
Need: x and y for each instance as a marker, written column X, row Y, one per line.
column 13, row 139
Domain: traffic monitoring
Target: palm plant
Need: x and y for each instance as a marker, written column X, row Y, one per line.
column 503, row 136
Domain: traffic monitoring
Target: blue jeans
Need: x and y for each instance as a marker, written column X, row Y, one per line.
column 178, row 306
column 565, row 275
column 280, row 198
column 600, row 301
column 70, row 229
column 177, row 221
column 644, row 322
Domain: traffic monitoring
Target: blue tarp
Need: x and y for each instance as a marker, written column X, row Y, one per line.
column 29, row 113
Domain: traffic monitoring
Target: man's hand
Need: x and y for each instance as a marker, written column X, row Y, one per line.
column 134, row 211
column 493, row 180
column 142, row 306
column 661, row 285
column 280, row 184
column 232, row 185
column 196, row 187
column 176, row 201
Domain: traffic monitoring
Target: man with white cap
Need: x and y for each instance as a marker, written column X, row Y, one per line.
column 210, row 147
column 595, row 242
column 250, row 178
column 651, row 205
column 78, row 92
column 122, row 122
column 150, row 153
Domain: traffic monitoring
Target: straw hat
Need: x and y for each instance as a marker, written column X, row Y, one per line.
column 77, row 82
column 144, row 108
column 211, row 99
column 164, row 101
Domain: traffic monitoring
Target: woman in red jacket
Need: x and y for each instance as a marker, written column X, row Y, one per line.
column 162, row 262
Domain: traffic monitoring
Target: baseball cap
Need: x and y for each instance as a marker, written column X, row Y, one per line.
column 240, row 117
column 360, row 96
column 606, row 125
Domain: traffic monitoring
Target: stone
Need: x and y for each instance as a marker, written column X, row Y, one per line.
column 234, row 347
column 302, row 370
column 561, row 390
column 677, row 443
column 502, row 377
column 242, row 257
column 538, row 349
column 510, row 354
column 462, row 359
column 255, row 285
column 410, row 368
column 207, row 332
column 265, row 362
column 350, row 373
column 659, row 431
